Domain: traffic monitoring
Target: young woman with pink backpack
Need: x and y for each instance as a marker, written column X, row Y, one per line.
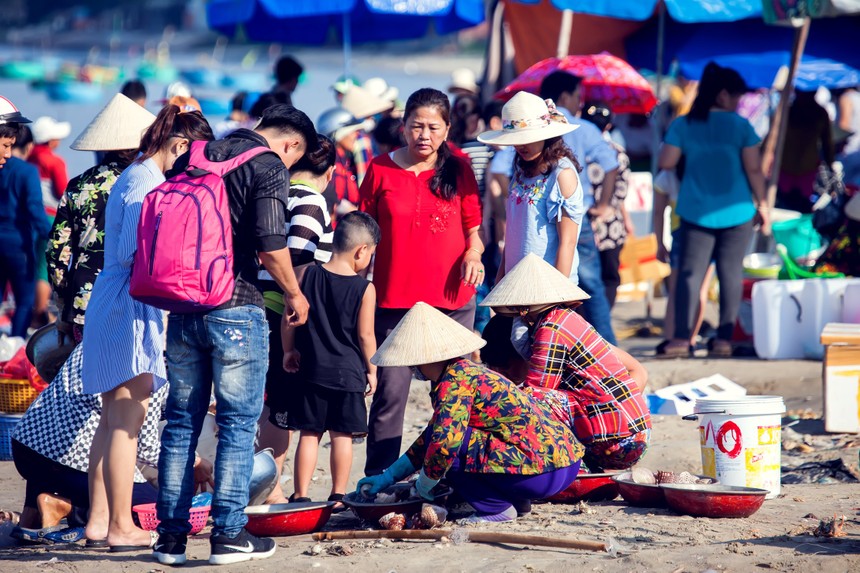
column 123, row 343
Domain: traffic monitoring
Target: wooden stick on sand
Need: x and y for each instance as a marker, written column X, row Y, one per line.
column 462, row 535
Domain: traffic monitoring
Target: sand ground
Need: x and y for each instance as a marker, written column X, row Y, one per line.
column 776, row 538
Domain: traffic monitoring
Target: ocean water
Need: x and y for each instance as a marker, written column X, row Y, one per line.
column 405, row 71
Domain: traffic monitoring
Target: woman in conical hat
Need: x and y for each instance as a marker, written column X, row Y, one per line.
column 493, row 443
column 601, row 383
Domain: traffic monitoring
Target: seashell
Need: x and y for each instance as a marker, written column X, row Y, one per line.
column 705, row 481
column 665, row 477
column 685, row 477
column 393, row 521
column 433, row 515
column 417, row 522
column 383, row 497
column 643, row 476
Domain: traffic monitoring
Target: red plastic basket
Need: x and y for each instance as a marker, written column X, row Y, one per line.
column 148, row 520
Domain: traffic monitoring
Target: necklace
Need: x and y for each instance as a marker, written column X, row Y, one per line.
column 530, row 193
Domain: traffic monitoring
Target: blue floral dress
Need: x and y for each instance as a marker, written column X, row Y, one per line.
column 534, row 207
column 123, row 338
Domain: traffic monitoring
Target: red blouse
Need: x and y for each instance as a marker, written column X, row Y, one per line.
column 423, row 236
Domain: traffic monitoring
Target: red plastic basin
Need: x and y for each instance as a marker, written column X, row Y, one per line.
column 643, row 494
column 588, row 487
column 714, row 500
column 288, row 518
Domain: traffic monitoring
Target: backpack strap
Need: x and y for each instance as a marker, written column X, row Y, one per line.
column 198, row 159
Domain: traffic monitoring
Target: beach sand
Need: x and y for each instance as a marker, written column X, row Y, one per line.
column 776, row 538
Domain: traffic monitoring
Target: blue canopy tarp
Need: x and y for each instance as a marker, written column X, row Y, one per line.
column 309, row 22
column 680, row 10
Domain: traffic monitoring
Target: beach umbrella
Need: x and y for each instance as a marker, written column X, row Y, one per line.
column 310, row 22
column 605, row 78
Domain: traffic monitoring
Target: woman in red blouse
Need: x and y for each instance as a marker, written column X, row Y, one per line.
column 426, row 201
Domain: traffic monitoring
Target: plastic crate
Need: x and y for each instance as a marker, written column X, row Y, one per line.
column 148, row 520
column 16, row 395
column 7, row 428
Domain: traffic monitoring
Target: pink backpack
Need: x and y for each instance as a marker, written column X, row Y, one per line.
column 184, row 258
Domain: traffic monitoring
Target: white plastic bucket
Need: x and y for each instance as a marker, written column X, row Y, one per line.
column 741, row 440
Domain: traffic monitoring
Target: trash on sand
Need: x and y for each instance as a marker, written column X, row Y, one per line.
column 339, row 550
column 832, row 471
column 830, row 527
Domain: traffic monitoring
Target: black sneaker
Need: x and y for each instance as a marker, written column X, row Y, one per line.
column 243, row 547
column 170, row 549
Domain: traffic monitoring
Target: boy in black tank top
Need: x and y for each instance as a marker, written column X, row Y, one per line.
column 331, row 355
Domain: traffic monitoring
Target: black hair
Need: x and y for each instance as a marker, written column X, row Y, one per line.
column 122, row 157
column 464, row 107
column 354, row 229
column 288, row 69
column 558, row 83
column 133, row 90
column 389, row 131
column 237, row 103
column 9, row 130
column 491, row 110
column 447, row 169
column 499, row 351
column 320, row 160
column 288, row 120
column 265, row 101
column 171, row 122
column 24, row 137
column 598, row 113
column 715, row 79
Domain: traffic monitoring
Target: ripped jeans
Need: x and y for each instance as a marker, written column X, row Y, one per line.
column 227, row 349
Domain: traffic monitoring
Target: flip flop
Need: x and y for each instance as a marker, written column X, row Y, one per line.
column 153, row 537
column 338, row 499
column 96, row 544
column 68, row 535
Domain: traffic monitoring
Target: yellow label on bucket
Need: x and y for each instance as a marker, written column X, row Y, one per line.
column 709, row 462
column 761, row 465
column 769, row 435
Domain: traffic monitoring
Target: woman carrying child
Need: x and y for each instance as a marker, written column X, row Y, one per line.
column 544, row 207
column 331, row 355
column 601, row 383
column 495, row 444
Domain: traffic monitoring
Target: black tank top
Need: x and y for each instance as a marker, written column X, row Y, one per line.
column 328, row 342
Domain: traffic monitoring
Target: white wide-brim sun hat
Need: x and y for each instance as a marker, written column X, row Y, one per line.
column 526, row 118
column 464, row 79
column 424, row 336
column 47, row 129
column 533, row 282
column 380, row 88
column 363, row 104
column 118, row 126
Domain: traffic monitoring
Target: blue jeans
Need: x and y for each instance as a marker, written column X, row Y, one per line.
column 596, row 309
column 230, row 350
column 16, row 267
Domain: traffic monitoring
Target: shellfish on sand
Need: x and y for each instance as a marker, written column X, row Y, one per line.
column 393, row 521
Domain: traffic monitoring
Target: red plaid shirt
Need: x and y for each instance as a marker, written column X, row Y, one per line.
column 569, row 355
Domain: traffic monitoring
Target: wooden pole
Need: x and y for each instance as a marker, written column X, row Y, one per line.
column 773, row 150
column 563, row 48
column 473, row 536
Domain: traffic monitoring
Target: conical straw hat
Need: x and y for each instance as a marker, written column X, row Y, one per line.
column 425, row 335
column 533, row 282
column 118, row 126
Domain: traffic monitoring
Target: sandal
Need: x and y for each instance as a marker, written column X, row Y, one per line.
column 33, row 536
column 294, row 499
column 67, row 535
column 96, row 544
column 718, row 348
column 339, row 506
column 153, row 538
column 667, row 351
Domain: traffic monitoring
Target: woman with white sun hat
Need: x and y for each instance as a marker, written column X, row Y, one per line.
column 544, row 206
column 495, row 444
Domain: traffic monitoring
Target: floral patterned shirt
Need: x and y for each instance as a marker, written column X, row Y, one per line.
column 511, row 432
column 76, row 244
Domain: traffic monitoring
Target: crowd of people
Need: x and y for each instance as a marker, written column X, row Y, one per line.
column 364, row 251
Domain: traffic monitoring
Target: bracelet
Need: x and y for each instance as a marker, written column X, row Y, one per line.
column 480, row 254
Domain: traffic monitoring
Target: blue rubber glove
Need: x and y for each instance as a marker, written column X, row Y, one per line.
column 424, row 486
column 400, row 469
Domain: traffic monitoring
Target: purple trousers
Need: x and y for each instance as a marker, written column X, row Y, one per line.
column 493, row 493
